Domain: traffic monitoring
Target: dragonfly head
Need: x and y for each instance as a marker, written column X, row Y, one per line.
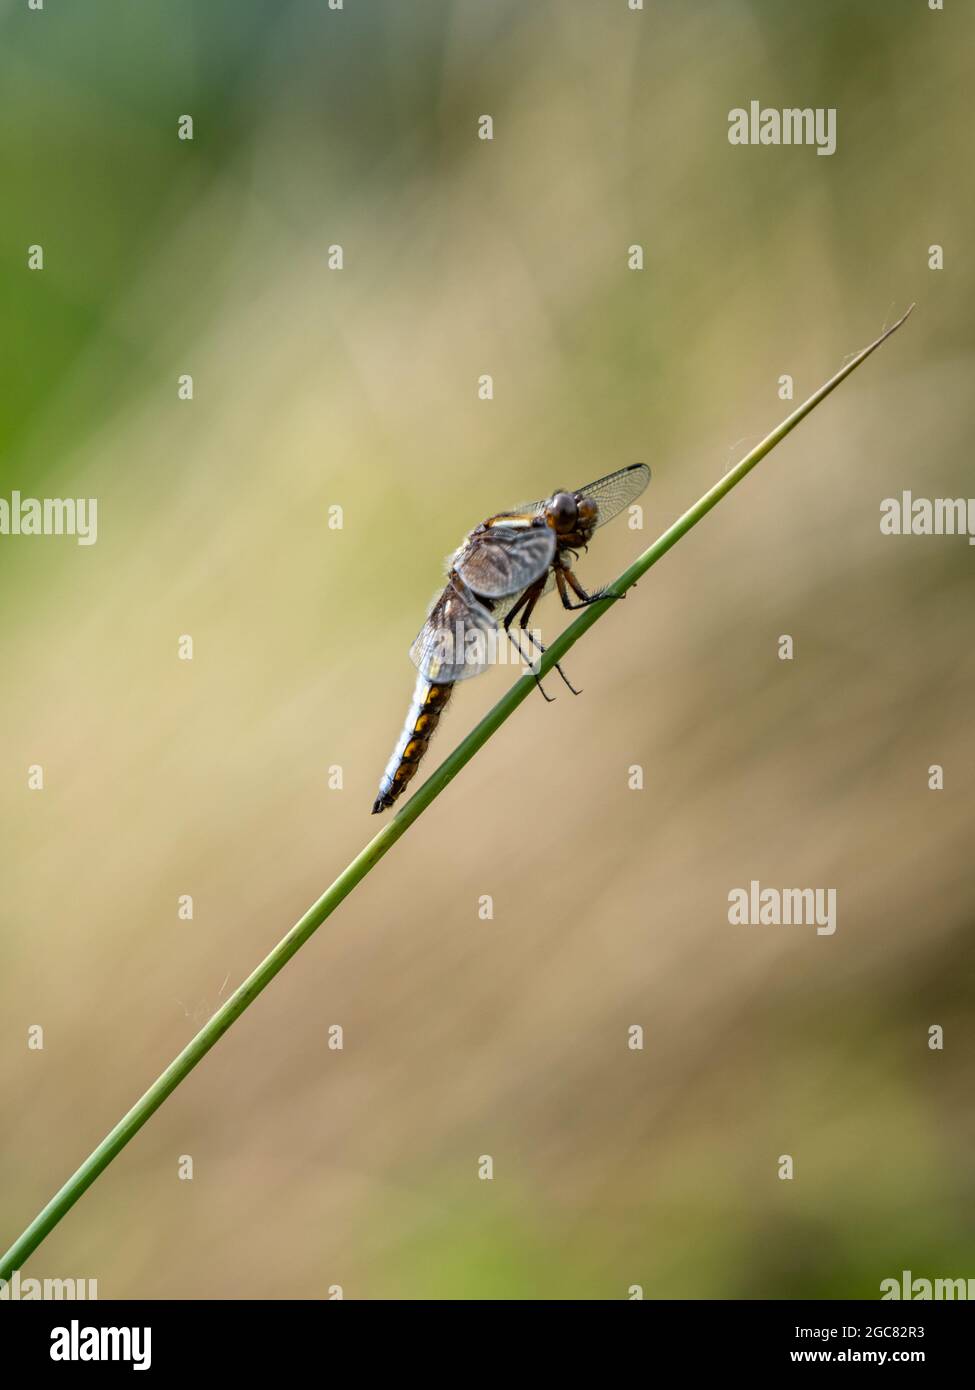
column 562, row 512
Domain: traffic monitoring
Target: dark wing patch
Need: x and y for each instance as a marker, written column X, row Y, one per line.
column 504, row 559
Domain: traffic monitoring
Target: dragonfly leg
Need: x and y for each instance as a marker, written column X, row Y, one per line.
column 536, row 642
column 564, row 576
column 506, row 624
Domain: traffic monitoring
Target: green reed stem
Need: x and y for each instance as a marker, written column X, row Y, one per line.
column 194, row 1051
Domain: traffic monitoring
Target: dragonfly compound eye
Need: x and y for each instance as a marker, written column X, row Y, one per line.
column 563, row 511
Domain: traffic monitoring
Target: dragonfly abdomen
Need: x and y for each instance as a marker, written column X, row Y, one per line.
column 429, row 699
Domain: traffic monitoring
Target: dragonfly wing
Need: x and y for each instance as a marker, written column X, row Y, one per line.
column 616, row 491
column 458, row 639
column 505, row 559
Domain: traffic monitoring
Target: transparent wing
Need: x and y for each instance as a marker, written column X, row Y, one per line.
column 616, row 491
column 504, row 559
column 458, row 639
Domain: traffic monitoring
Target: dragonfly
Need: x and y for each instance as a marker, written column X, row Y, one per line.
column 497, row 575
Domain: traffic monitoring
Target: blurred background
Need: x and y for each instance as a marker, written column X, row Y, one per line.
column 315, row 388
